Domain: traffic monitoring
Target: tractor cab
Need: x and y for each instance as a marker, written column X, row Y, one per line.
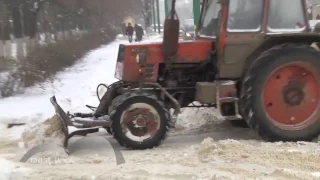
column 251, row 16
column 240, row 27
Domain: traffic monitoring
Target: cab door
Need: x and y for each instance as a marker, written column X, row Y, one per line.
column 241, row 32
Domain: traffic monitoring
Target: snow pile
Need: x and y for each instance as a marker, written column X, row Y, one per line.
column 305, row 156
column 206, row 150
column 6, row 169
column 43, row 133
column 196, row 120
column 51, row 157
column 50, row 137
column 9, row 170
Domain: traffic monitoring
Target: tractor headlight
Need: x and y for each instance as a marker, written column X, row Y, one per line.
column 188, row 34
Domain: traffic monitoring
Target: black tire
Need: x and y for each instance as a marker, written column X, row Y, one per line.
column 122, row 103
column 114, row 101
column 252, row 88
column 107, row 97
column 108, row 129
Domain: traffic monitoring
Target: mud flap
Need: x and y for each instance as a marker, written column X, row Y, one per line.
column 65, row 122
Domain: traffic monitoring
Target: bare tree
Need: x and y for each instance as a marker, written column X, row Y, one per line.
column 147, row 11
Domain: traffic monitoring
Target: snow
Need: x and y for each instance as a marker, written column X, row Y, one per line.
column 316, row 174
column 201, row 147
column 8, row 168
column 76, row 83
column 74, row 88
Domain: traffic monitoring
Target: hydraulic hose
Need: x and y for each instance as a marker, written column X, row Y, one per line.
column 98, row 90
column 108, row 87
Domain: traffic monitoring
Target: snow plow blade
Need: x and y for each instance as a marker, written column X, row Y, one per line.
column 85, row 126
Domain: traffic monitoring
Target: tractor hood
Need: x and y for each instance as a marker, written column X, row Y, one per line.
column 127, row 68
column 188, row 51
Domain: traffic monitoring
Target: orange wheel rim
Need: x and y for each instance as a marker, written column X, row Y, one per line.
column 291, row 96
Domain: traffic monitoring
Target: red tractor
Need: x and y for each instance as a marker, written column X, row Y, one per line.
column 251, row 59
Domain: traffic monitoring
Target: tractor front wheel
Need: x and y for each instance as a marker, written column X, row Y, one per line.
column 111, row 107
column 139, row 120
column 280, row 95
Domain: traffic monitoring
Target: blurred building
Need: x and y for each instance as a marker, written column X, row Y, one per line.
column 315, row 8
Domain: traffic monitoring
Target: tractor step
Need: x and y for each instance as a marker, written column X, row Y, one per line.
column 87, row 126
column 226, row 96
column 233, row 100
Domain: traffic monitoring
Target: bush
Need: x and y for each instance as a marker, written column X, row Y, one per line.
column 7, row 64
column 44, row 62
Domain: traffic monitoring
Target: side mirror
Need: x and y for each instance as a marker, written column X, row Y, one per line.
column 317, row 28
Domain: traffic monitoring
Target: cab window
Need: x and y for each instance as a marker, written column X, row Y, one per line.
column 245, row 15
column 210, row 18
column 280, row 18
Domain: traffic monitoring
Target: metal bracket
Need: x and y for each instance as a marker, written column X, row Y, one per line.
column 177, row 109
column 234, row 100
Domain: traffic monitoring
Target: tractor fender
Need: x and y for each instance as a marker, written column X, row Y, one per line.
column 106, row 100
column 177, row 108
column 274, row 40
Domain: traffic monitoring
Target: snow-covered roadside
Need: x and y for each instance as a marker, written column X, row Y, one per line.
column 229, row 153
column 204, row 160
column 74, row 88
column 9, row 169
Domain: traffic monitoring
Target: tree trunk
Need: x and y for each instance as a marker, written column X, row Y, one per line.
column 2, row 49
column 7, row 49
column 147, row 12
column 17, row 24
column 20, row 51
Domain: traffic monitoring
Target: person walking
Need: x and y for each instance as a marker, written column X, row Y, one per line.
column 129, row 32
column 136, row 30
column 139, row 33
column 123, row 28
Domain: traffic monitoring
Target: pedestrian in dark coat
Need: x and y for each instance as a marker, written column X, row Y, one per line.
column 136, row 26
column 123, row 28
column 129, row 32
column 139, row 33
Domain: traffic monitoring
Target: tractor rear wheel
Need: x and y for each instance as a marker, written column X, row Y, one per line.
column 139, row 120
column 280, row 94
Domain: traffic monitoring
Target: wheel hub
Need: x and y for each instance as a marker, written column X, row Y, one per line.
column 290, row 95
column 140, row 121
column 293, row 96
